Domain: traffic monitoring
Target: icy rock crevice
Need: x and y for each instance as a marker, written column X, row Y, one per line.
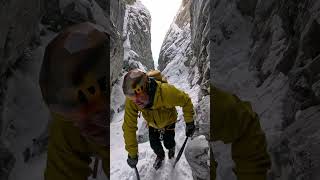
column 184, row 60
column 27, row 29
column 136, row 49
column 19, row 34
column 137, row 35
column 270, row 57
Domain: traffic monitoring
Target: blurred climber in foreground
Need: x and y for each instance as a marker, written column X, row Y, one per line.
column 234, row 121
column 150, row 94
column 74, row 86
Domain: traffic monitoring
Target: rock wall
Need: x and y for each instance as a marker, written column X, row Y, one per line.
column 200, row 62
column 137, row 36
column 117, row 13
column 267, row 52
column 109, row 14
column 27, row 27
column 135, row 48
column 186, row 42
column 200, row 71
column 177, row 35
column 19, row 34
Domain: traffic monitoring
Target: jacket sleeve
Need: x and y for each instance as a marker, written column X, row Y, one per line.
column 249, row 148
column 234, row 121
column 62, row 162
column 176, row 97
column 130, row 127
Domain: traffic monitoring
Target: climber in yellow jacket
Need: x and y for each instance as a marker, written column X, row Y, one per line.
column 234, row 121
column 156, row 100
column 73, row 85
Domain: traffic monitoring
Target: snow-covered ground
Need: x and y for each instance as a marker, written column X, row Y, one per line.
column 177, row 74
column 118, row 155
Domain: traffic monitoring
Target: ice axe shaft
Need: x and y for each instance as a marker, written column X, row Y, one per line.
column 180, row 152
column 137, row 173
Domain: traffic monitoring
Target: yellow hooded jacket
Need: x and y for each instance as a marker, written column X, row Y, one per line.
column 161, row 114
column 69, row 153
column 234, row 121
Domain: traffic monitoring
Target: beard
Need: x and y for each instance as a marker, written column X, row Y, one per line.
column 143, row 101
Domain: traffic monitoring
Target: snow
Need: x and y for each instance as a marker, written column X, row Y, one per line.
column 119, row 168
column 136, row 15
column 37, row 113
column 177, row 74
column 118, row 155
column 232, row 54
column 29, row 119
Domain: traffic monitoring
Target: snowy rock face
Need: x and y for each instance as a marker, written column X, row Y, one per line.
column 177, row 36
column 109, row 14
column 184, row 49
column 200, row 26
column 27, row 27
column 7, row 162
column 200, row 74
column 19, row 29
column 267, row 52
column 117, row 13
column 135, row 48
column 137, row 36
column 19, row 34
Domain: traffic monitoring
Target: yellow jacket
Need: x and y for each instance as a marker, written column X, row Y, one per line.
column 234, row 121
column 69, row 153
column 161, row 114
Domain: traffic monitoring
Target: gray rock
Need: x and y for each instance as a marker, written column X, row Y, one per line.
column 138, row 36
column 200, row 38
column 177, row 35
column 203, row 114
column 269, row 55
column 196, row 153
column 104, row 4
column 109, row 14
column 19, row 28
column 187, row 40
column 21, row 50
column 316, row 89
column 117, row 13
column 247, row 7
column 7, row 161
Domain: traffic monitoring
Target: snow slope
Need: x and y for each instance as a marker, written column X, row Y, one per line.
column 118, row 155
column 177, row 74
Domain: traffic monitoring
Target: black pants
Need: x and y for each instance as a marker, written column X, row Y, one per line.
column 168, row 139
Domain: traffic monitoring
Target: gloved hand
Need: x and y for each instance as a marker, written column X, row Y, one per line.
column 190, row 128
column 132, row 161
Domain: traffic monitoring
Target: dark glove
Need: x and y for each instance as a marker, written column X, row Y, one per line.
column 190, row 128
column 132, row 161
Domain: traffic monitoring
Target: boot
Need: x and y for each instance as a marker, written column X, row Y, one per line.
column 158, row 162
column 171, row 152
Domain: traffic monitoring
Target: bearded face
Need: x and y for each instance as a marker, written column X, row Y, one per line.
column 141, row 99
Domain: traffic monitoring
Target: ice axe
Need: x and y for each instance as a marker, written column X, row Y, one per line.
column 180, row 152
column 137, row 173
